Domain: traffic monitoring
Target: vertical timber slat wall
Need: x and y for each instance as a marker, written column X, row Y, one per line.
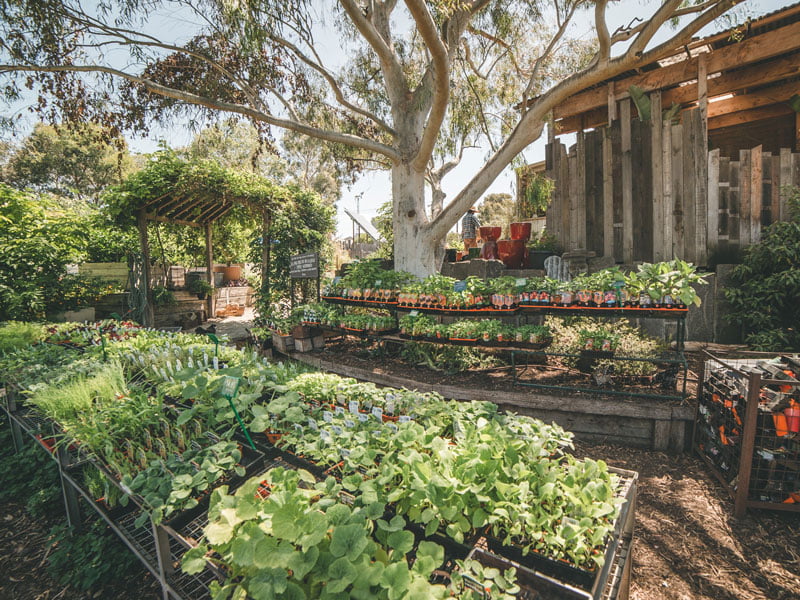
column 648, row 191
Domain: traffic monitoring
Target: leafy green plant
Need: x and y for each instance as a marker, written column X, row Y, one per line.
column 536, row 195
column 163, row 297
column 14, row 334
column 90, row 558
column 764, row 289
column 199, row 286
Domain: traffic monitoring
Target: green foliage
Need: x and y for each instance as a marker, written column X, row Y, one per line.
column 14, row 335
column 384, row 223
column 164, row 297
column 535, row 195
column 546, row 241
column 29, row 477
column 765, row 287
column 87, row 559
column 78, row 160
column 498, row 210
column 448, row 359
column 200, row 287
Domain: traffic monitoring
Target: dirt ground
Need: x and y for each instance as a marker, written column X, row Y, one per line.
column 688, row 545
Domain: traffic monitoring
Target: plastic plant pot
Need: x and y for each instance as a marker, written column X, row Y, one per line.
column 512, row 253
column 793, row 418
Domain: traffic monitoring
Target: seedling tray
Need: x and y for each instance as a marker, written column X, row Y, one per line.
column 592, row 581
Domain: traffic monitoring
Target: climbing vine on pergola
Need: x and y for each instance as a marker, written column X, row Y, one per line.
column 194, row 193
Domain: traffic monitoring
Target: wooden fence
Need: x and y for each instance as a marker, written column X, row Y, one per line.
column 640, row 191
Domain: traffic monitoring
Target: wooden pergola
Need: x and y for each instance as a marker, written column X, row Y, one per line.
column 199, row 198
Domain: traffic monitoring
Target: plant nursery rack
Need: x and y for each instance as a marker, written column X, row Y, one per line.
column 160, row 547
column 738, row 436
column 678, row 358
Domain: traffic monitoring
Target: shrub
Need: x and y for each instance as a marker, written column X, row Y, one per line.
column 765, row 287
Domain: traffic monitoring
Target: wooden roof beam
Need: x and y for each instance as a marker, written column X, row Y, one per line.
column 215, row 213
column 734, row 81
column 160, row 219
column 764, row 97
column 185, row 210
column 748, row 116
column 761, row 47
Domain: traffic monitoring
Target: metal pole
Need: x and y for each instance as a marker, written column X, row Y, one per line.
column 68, row 492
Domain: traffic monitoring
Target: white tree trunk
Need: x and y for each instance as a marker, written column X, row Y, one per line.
column 415, row 250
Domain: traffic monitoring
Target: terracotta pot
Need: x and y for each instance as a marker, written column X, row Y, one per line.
column 521, row 231
column 512, row 253
column 490, row 234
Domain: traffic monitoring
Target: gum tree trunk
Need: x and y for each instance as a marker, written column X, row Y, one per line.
column 415, row 250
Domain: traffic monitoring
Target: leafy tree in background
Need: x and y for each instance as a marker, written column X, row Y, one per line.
column 388, row 103
column 766, row 286
column 498, row 210
column 76, row 161
column 38, row 238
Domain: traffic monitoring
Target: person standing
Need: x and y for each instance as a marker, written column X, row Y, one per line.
column 469, row 228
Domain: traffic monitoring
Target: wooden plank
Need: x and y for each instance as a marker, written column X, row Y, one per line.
column 667, row 219
column 733, row 81
column 733, row 204
column 676, row 151
column 590, row 221
column 563, row 167
column 785, row 180
column 701, row 186
column 744, row 198
column 756, row 48
column 689, row 186
column 765, row 214
column 756, row 191
column 550, row 174
column 616, row 153
column 661, row 435
column 642, row 188
column 572, row 161
column 580, row 192
column 611, row 101
column 724, row 191
column 797, row 131
column 775, row 191
column 712, row 226
column 599, row 207
column 627, row 183
column 657, row 190
column 763, row 97
column 608, row 195
column 748, row 116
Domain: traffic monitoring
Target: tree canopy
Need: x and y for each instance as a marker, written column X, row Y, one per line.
column 71, row 161
column 405, row 66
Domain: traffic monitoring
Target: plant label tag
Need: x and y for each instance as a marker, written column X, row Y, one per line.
column 460, row 286
column 353, row 407
column 363, row 417
column 313, row 424
column 413, row 313
column 521, row 281
column 377, row 283
column 389, row 409
column 349, row 423
column 344, row 452
column 404, row 419
column 336, row 429
column 299, row 428
column 325, row 435
column 377, row 412
column 339, row 410
column 327, row 416
column 347, row 499
column 393, row 427
column 229, row 386
column 336, row 280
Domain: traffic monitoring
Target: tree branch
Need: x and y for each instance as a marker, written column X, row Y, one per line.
column 441, row 80
column 337, row 90
column 336, row 137
column 602, row 30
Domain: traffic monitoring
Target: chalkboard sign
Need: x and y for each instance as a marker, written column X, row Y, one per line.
column 304, row 266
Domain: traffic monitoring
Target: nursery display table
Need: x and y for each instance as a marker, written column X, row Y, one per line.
column 675, row 364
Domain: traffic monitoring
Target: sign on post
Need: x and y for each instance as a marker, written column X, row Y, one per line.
column 304, row 266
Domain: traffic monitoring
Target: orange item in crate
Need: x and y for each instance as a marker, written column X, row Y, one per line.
column 793, row 417
column 231, row 310
column 781, row 427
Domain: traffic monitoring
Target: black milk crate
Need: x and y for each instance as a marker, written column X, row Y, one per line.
column 592, row 582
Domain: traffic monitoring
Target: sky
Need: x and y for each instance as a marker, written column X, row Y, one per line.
column 374, row 188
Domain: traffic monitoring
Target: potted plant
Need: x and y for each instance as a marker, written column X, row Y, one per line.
column 541, row 248
column 201, row 287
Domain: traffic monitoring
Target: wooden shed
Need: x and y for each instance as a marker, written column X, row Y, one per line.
column 711, row 172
